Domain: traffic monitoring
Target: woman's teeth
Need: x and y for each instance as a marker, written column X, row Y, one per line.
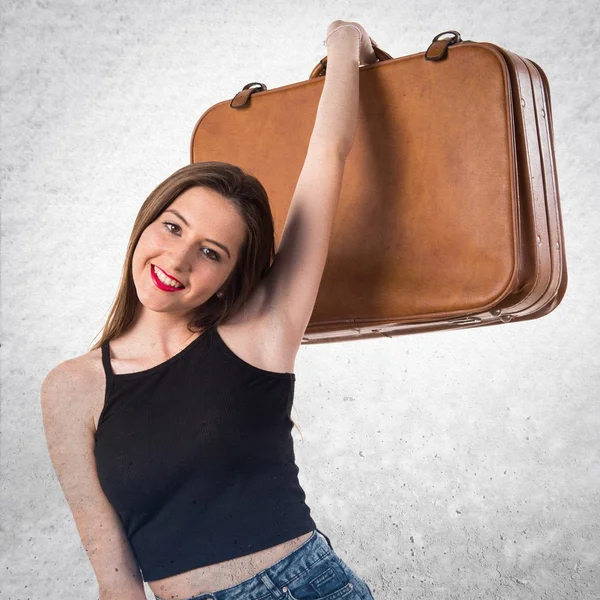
column 166, row 280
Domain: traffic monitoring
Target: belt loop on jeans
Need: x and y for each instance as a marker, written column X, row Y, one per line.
column 328, row 542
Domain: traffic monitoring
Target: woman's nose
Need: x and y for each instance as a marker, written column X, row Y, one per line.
column 180, row 261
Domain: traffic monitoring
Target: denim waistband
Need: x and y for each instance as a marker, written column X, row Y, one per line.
column 269, row 582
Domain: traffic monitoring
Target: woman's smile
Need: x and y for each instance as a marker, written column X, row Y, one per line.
column 163, row 281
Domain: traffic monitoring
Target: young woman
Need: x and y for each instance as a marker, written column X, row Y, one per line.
column 171, row 438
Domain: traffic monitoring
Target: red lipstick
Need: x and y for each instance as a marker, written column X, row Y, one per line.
column 162, row 286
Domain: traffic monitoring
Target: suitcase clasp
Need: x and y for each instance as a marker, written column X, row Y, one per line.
column 465, row 320
column 439, row 48
column 241, row 98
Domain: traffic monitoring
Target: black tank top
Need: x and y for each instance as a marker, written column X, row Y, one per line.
column 196, row 456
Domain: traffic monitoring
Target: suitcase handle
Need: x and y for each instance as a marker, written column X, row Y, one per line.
column 437, row 50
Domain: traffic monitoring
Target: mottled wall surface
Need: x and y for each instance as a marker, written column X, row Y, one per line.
column 459, row 464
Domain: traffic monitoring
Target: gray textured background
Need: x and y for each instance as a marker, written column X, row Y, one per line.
column 448, row 465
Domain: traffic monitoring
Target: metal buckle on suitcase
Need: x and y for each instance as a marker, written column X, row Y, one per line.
column 449, row 213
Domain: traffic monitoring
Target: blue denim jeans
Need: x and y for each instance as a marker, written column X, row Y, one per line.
column 313, row 571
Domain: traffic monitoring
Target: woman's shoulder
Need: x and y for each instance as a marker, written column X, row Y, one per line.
column 83, row 367
column 79, row 379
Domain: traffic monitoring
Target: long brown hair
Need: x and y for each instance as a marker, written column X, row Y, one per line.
column 250, row 198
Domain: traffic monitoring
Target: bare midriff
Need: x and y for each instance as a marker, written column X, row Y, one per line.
column 223, row 575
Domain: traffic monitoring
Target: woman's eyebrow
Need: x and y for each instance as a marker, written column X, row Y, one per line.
column 175, row 212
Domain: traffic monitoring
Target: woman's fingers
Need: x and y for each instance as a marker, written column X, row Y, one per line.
column 366, row 52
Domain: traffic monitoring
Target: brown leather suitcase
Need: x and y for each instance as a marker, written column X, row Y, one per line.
column 449, row 213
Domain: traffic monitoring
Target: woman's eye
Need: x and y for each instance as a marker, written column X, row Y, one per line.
column 167, row 223
column 216, row 258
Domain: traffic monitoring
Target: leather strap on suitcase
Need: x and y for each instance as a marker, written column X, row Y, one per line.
column 449, row 213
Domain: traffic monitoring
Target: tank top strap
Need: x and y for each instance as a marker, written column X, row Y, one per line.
column 106, row 361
